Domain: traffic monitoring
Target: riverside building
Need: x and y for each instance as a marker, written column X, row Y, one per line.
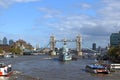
column 115, row 39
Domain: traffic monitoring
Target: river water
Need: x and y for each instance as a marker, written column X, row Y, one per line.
column 44, row 67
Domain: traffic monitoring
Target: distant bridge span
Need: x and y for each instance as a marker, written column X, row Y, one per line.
column 77, row 40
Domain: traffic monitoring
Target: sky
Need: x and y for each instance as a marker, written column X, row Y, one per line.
column 36, row 20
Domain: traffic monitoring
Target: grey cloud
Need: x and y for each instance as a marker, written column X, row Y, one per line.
column 96, row 31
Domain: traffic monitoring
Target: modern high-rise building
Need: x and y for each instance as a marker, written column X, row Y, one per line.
column 94, row 46
column 5, row 41
column 11, row 42
column 115, row 39
column 1, row 41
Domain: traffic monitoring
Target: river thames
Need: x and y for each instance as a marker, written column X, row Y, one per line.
column 44, row 67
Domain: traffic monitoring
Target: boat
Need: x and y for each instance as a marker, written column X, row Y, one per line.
column 65, row 57
column 8, row 55
column 5, row 70
column 64, row 54
column 97, row 68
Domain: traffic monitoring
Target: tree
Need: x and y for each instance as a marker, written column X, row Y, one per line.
column 18, row 50
column 1, row 51
column 15, row 50
column 114, row 53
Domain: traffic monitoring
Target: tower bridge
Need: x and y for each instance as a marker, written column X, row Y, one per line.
column 53, row 42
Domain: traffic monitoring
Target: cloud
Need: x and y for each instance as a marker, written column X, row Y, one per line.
column 94, row 28
column 6, row 3
column 110, row 15
column 83, row 6
column 25, row 0
column 108, row 18
column 49, row 13
column 98, row 27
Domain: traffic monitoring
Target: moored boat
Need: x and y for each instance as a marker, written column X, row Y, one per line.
column 64, row 54
column 97, row 68
column 65, row 57
column 5, row 70
column 9, row 55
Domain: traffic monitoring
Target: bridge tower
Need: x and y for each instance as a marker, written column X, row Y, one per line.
column 78, row 45
column 52, row 45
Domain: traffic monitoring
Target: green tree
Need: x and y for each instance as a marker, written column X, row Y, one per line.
column 114, row 53
column 18, row 50
column 1, row 51
column 15, row 50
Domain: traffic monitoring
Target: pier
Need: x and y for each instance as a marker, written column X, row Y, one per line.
column 114, row 66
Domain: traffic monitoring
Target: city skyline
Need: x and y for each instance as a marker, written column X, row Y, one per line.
column 36, row 20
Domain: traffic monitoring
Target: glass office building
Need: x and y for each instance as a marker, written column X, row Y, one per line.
column 115, row 39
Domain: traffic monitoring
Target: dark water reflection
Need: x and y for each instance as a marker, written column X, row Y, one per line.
column 44, row 67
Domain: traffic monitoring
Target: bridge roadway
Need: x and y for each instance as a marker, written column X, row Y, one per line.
column 44, row 67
